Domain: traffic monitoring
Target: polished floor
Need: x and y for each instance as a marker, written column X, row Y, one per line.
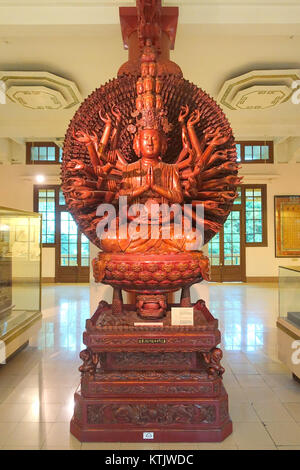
column 37, row 385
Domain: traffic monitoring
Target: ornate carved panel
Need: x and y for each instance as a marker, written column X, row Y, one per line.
column 144, row 414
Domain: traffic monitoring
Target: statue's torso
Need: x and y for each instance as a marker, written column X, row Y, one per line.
column 135, row 176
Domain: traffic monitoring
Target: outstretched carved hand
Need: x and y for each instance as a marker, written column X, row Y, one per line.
column 194, row 118
column 116, row 112
column 184, row 111
column 76, row 165
column 217, row 138
column 82, row 137
column 105, row 118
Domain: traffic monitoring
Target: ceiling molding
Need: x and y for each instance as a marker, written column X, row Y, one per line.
column 40, row 90
column 258, row 89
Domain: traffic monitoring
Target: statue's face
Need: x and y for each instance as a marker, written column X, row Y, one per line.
column 150, row 143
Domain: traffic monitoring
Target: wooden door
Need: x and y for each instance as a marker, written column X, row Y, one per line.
column 72, row 251
column 227, row 249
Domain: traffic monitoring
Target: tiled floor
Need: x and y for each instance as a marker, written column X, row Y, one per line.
column 37, row 386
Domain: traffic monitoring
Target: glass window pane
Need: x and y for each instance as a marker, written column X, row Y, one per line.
column 248, row 152
column 85, row 251
column 258, row 227
column 73, row 249
column 236, row 261
column 51, row 154
column 64, row 249
column 42, row 153
column 42, row 206
column 256, row 152
column 69, row 236
column 34, row 153
column 46, row 207
column 214, row 250
column 238, row 200
column 238, row 152
column 254, row 215
column 265, row 152
column 61, row 201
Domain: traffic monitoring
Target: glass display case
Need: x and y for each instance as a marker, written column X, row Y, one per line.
column 289, row 294
column 288, row 323
column 20, row 277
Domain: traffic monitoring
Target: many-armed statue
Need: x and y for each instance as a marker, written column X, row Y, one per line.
column 150, row 175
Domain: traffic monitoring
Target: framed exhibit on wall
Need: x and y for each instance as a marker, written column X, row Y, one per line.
column 287, row 226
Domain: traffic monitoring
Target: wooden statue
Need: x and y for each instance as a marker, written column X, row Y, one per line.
column 156, row 141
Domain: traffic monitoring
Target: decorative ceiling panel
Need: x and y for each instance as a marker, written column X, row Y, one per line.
column 258, row 89
column 40, row 90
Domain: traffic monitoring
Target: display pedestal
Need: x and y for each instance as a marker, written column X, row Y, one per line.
column 150, row 383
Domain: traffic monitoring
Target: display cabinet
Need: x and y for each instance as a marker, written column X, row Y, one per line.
column 289, row 318
column 20, row 279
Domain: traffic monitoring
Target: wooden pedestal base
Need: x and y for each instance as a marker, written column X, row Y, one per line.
column 151, row 383
column 165, row 420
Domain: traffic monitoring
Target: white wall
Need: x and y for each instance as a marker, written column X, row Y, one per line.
column 261, row 261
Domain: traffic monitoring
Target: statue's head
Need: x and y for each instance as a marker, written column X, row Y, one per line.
column 150, row 143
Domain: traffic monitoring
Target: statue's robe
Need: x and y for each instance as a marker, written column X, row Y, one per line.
column 161, row 233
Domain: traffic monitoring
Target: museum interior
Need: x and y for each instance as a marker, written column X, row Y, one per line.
column 144, row 368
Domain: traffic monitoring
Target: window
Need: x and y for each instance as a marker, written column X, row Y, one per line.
column 68, row 240
column 254, row 215
column 61, row 198
column 232, row 241
column 253, row 199
column 46, row 206
column 46, row 200
column 43, row 153
column 214, row 250
column 255, row 152
column 85, row 251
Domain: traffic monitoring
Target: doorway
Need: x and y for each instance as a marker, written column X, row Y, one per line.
column 227, row 251
column 72, row 251
column 60, row 231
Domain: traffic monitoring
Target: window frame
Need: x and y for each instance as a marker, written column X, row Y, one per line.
column 30, row 145
column 252, row 143
column 263, row 188
column 56, row 188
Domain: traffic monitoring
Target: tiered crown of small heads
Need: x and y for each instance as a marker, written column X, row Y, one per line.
column 149, row 111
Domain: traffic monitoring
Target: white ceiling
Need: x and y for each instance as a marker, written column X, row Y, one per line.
column 216, row 40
